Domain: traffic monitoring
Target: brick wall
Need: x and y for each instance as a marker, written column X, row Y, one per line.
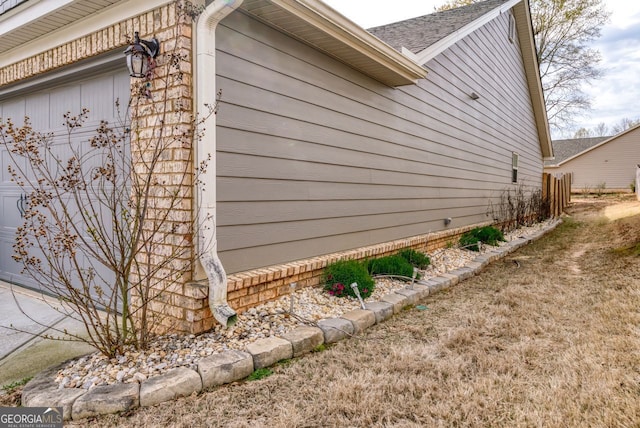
column 162, row 152
column 252, row 288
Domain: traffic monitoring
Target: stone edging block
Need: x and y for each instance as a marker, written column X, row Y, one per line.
column 335, row 329
column 463, row 273
column 398, row 301
column 267, row 352
column 440, row 283
column 382, row 310
column 106, row 399
column 483, row 260
column 422, row 289
column 304, row 339
column 42, row 391
column 413, row 296
column 362, row 319
column 225, row 367
column 475, row 267
column 178, row 382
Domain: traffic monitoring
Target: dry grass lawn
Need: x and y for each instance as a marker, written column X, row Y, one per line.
column 549, row 337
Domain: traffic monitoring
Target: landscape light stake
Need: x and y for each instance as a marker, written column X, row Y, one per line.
column 355, row 290
column 291, row 301
column 413, row 277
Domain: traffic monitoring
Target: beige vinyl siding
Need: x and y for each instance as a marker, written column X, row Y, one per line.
column 612, row 164
column 314, row 157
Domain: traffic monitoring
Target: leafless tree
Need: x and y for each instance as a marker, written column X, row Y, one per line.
column 583, row 133
column 624, row 124
column 601, row 130
column 564, row 31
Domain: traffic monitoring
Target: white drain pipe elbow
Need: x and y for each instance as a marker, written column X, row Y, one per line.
column 206, row 94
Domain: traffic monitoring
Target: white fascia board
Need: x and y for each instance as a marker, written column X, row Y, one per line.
column 109, row 16
column 448, row 41
column 406, row 52
column 331, row 22
column 30, row 13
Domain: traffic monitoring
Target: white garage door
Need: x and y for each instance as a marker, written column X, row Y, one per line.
column 95, row 86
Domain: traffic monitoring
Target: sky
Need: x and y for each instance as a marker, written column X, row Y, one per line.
column 614, row 97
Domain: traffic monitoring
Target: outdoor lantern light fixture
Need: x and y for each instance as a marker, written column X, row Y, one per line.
column 140, row 54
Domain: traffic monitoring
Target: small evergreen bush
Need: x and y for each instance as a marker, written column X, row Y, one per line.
column 416, row 258
column 390, row 265
column 338, row 277
column 487, row 235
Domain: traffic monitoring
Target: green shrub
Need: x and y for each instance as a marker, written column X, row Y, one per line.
column 487, row 235
column 416, row 258
column 390, row 265
column 338, row 277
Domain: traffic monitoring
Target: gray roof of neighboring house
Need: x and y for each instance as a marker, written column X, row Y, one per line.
column 417, row 34
column 564, row 149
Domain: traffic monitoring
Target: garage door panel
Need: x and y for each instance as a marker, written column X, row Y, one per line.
column 11, row 217
column 46, row 108
column 122, row 89
column 63, row 100
column 6, row 161
column 92, row 94
column 12, row 270
column 14, row 110
column 38, row 107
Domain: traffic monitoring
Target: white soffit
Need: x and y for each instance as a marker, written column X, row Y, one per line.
column 71, row 20
column 37, row 18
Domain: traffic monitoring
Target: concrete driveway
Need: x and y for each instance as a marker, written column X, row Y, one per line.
column 25, row 315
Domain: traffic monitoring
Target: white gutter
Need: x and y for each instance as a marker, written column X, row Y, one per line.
column 206, row 94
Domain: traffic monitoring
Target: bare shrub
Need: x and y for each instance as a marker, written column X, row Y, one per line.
column 519, row 207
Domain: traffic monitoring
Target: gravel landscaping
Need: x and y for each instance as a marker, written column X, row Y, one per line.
column 268, row 320
column 548, row 336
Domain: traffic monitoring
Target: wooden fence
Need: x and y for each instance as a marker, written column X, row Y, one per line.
column 557, row 190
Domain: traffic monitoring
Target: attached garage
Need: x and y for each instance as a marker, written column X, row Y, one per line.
column 95, row 85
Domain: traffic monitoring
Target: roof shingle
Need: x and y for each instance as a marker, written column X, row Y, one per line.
column 417, row 34
column 564, row 149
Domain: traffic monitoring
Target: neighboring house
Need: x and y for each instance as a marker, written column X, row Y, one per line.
column 598, row 164
column 565, row 149
column 330, row 140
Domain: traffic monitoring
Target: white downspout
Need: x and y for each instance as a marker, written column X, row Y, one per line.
column 206, row 92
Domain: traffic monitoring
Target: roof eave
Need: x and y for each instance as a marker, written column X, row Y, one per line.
column 341, row 38
column 524, row 26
